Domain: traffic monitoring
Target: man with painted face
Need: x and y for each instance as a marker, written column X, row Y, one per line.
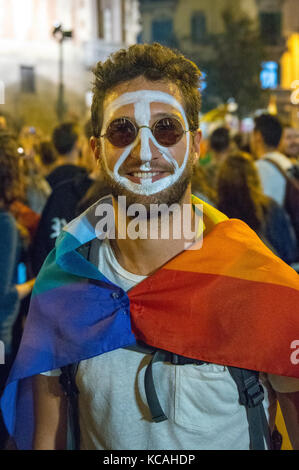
column 225, row 302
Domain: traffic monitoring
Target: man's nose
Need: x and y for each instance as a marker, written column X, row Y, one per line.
column 143, row 148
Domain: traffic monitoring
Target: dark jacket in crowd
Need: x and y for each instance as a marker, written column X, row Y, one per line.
column 60, row 209
column 278, row 230
column 64, row 173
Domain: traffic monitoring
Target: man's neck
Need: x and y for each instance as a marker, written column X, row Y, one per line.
column 69, row 159
column 265, row 150
column 145, row 256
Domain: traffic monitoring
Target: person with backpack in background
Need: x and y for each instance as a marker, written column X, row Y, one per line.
column 66, row 142
column 154, row 342
column 279, row 177
column 61, row 206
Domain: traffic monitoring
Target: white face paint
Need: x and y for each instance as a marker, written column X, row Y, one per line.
column 142, row 112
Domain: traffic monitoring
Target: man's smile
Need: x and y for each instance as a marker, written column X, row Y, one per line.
column 140, row 176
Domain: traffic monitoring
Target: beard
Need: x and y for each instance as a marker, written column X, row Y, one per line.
column 172, row 195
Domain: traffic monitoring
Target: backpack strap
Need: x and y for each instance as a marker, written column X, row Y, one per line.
column 278, row 167
column 251, row 396
column 67, row 380
column 156, row 410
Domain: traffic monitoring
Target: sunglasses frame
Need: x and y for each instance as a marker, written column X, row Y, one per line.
column 137, row 129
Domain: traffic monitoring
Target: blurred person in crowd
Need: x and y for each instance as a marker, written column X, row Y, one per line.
column 37, row 189
column 240, row 196
column 62, row 205
column 289, row 145
column 65, row 138
column 241, row 142
column 265, row 141
column 11, row 241
column 47, row 156
column 218, row 147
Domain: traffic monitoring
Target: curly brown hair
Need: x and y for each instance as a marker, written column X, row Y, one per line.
column 154, row 62
column 11, row 186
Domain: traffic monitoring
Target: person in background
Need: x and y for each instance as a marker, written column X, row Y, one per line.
column 240, row 142
column 62, row 205
column 66, row 142
column 11, row 243
column 289, row 145
column 37, row 189
column 265, row 141
column 219, row 145
column 240, row 196
column 47, row 157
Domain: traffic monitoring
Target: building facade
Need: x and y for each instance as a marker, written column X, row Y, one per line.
column 30, row 54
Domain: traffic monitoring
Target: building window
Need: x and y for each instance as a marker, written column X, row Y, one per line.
column 27, row 79
column 270, row 24
column 162, row 31
column 198, row 27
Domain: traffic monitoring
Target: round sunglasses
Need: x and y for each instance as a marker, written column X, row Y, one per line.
column 122, row 132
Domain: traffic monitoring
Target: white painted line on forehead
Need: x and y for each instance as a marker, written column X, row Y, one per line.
column 146, row 96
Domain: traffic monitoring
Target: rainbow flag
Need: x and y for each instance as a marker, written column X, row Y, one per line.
column 231, row 302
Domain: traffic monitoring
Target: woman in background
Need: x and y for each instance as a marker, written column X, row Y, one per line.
column 11, row 243
column 240, row 196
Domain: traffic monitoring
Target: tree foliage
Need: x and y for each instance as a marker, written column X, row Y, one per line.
column 234, row 68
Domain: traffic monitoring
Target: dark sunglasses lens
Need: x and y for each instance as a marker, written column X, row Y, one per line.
column 168, row 131
column 121, row 132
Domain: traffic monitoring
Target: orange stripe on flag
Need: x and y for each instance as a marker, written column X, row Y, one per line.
column 233, row 249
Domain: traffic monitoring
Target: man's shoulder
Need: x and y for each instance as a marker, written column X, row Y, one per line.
column 278, row 159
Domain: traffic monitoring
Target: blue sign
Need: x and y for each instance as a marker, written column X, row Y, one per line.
column 269, row 75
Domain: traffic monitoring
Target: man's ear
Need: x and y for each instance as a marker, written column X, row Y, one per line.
column 95, row 145
column 197, row 136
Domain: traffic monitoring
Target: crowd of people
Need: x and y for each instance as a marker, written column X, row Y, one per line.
column 249, row 178
column 45, row 183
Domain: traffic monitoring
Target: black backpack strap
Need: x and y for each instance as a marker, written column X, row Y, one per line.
column 251, row 395
column 156, row 410
column 68, row 382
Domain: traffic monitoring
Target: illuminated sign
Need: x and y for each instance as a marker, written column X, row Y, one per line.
column 269, row 75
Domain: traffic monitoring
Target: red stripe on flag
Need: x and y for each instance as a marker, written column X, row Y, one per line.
column 218, row 319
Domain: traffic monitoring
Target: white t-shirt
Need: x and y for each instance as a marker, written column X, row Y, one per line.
column 273, row 182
